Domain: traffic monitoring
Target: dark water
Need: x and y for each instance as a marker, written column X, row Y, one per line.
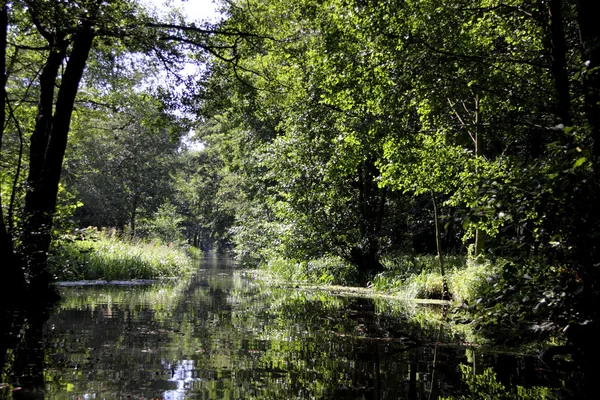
column 223, row 335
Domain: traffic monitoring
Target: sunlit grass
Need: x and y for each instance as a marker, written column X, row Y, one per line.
column 323, row 271
column 112, row 258
column 410, row 277
column 420, row 278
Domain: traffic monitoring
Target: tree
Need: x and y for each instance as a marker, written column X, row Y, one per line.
column 64, row 35
column 121, row 164
column 335, row 111
column 208, row 198
column 12, row 271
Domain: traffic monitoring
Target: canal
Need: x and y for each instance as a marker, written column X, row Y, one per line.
column 226, row 335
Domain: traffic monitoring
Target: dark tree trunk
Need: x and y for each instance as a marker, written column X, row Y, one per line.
column 589, row 29
column 366, row 261
column 588, row 251
column 12, row 271
column 372, row 208
column 48, row 145
column 558, row 63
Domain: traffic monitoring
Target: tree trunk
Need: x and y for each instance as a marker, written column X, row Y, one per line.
column 438, row 242
column 589, row 30
column 366, row 254
column 48, row 145
column 480, row 235
column 12, row 271
column 558, row 63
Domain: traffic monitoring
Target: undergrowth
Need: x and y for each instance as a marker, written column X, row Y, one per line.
column 418, row 277
column 324, row 271
column 96, row 255
column 412, row 277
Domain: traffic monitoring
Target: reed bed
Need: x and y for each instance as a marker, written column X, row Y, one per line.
column 112, row 258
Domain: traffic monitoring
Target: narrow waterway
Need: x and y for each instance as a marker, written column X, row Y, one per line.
column 225, row 335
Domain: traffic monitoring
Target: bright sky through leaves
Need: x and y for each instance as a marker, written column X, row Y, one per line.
column 194, row 9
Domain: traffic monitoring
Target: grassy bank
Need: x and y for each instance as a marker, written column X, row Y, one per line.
column 102, row 256
column 323, row 271
column 504, row 301
column 418, row 277
column 410, row 277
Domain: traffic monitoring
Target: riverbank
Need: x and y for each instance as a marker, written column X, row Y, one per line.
column 407, row 277
column 495, row 301
column 99, row 255
column 226, row 331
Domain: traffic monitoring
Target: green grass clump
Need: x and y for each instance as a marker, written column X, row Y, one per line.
column 109, row 257
column 419, row 277
column 193, row 252
column 323, row 271
column 426, row 285
column 465, row 283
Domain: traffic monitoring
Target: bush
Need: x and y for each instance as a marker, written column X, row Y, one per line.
column 465, row 283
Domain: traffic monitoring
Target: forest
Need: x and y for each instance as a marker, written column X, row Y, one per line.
column 355, row 142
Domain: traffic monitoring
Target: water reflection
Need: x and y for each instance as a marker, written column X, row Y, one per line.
column 224, row 335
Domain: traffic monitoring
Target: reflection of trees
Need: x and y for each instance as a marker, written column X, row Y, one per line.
column 218, row 337
column 22, row 357
column 328, row 346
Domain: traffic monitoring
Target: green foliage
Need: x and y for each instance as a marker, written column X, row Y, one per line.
column 208, row 197
column 466, row 282
column 418, row 277
column 165, row 225
column 194, row 252
column 338, row 116
column 323, row 271
column 121, row 164
column 529, row 299
column 94, row 255
column 401, row 269
column 323, row 125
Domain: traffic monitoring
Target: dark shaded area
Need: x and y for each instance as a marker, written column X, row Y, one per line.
column 22, row 348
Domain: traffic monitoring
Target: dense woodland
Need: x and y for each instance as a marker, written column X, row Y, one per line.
column 361, row 131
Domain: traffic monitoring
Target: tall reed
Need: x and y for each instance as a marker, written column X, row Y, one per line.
column 109, row 257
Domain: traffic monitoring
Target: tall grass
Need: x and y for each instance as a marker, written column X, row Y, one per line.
column 109, row 257
column 323, row 271
column 419, row 277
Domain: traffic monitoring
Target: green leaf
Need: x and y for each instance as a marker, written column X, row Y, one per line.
column 579, row 162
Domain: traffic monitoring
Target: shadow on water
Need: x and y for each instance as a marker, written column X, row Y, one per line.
column 22, row 347
column 223, row 334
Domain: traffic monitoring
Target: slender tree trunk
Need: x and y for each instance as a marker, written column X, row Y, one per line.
column 48, row 145
column 438, row 242
column 480, row 235
column 13, row 196
column 133, row 216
